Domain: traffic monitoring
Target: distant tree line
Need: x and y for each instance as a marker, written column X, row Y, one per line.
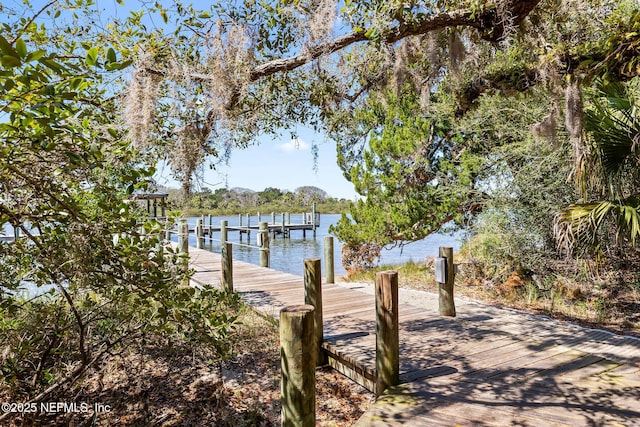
column 224, row 201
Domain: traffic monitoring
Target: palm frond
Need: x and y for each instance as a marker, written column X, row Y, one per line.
column 578, row 225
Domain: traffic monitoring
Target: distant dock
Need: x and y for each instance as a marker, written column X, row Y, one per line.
column 279, row 224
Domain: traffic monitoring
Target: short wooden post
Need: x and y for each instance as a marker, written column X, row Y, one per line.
column 183, row 237
column 200, row 234
column 240, row 220
column 210, row 222
column 263, row 240
column 297, row 358
column 387, row 333
column 227, row 267
column 445, row 290
column 223, row 231
column 329, row 271
column 313, row 296
column 273, row 218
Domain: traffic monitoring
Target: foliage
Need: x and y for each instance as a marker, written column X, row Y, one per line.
column 411, row 175
column 611, row 207
column 89, row 275
column 223, row 75
column 236, row 200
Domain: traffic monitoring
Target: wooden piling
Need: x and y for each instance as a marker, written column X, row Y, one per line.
column 223, row 231
column 263, row 240
column 297, row 350
column 227, row 267
column 445, row 290
column 329, row 271
column 200, row 234
column 313, row 218
column 248, row 228
column 313, row 296
column 183, row 237
column 284, row 230
column 387, row 331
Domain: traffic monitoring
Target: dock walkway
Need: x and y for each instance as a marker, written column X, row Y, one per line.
column 486, row 367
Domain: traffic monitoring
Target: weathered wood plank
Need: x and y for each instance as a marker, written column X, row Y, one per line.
column 486, row 367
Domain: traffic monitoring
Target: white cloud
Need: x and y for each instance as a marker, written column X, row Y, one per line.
column 293, row 145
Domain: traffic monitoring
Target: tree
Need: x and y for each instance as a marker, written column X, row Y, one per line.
column 308, row 194
column 100, row 275
column 269, row 195
column 414, row 176
column 260, row 67
column 611, row 208
column 239, row 82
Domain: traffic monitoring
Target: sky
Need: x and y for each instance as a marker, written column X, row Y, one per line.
column 285, row 163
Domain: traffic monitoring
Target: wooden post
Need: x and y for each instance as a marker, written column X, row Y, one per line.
column 387, row 334
column 263, row 241
column 328, row 260
column 248, row 229
column 297, row 358
column 210, row 221
column 227, row 267
column 200, row 234
column 183, row 236
column 223, row 231
column 288, row 232
column 313, row 218
column 313, row 296
column 273, row 218
column 283, row 227
column 445, row 290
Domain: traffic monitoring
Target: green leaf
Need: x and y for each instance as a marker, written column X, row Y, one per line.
column 111, row 55
column 10, row 61
column 92, row 57
column 6, row 47
column 21, row 47
column 34, row 56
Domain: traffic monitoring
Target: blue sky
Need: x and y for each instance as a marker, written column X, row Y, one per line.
column 284, row 163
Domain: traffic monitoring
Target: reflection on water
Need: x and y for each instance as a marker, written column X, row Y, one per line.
column 288, row 254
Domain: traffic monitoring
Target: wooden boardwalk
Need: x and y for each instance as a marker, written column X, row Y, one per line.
column 486, row 367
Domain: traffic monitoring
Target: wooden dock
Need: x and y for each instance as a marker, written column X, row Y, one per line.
column 486, row 367
column 308, row 221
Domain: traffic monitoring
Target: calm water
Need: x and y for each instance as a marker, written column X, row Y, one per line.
column 288, row 254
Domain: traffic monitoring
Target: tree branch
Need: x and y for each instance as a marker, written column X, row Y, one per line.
column 487, row 22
